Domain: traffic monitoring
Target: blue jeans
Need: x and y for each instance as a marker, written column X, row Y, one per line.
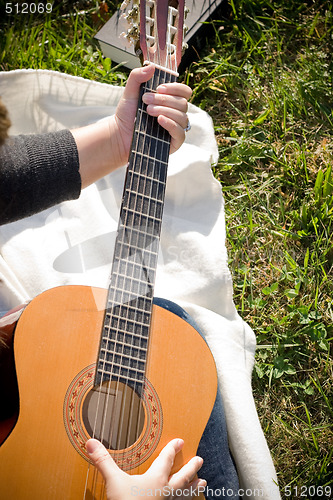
column 218, row 468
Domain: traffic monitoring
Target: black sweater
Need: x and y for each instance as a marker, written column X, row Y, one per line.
column 37, row 172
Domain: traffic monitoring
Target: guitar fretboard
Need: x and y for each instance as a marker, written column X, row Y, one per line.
column 125, row 337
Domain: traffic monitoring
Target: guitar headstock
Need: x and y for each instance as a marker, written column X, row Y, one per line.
column 157, row 28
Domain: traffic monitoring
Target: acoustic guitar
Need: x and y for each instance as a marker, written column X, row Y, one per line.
column 111, row 364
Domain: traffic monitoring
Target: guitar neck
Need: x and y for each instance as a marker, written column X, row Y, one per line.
column 125, row 335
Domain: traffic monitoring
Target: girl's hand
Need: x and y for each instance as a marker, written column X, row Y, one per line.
column 121, row 486
column 105, row 145
column 168, row 104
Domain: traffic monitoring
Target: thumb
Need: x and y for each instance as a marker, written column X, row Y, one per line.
column 136, row 77
column 101, row 458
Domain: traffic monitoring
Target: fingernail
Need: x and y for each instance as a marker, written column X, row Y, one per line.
column 147, row 98
column 147, row 69
column 92, row 446
column 162, row 88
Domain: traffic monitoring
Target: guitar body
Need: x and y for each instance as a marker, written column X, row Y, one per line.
column 109, row 363
column 55, row 346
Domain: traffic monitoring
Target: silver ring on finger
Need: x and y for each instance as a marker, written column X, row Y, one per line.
column 188, row 126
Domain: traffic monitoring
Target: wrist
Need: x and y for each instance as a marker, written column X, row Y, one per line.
column 96, row 150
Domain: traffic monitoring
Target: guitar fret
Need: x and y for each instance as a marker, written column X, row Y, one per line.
column 123, row 348
column 143, row 207
column 116, row 299
column 134, row 308
column 149, row 198
column 132, row 333
column 131, row 268
column 126, row 284
column 144, row 184
column 128, row 318
column 118, row 369
column 132, row 195
column 139, row 241
column 157, row 161
column 134, row 230
column 126, row 275
column 137, row 322
column 149, row 156
column 107, row 375
column 118, row 359
column 153, row 170
column 127, row 351
column 120, row 343
column 113, row 364
column 125, row 250
column 148, row 177
column 137, row 216
column 149, row 136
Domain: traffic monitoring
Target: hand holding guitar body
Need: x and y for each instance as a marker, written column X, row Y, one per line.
column 121, row 486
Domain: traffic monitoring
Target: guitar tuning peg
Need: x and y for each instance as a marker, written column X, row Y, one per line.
column 133, row 15
column 185, row 28
column 133, row 33
column 184, row 46
column 124, row 5
column 186, row 12
column 127, row 41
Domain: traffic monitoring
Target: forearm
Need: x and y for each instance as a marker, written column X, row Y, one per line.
column 98, row 150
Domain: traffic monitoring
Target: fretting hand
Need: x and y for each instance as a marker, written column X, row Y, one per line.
column 104, row 146
column 168, row 103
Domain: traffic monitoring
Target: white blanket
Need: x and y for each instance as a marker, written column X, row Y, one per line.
column 73, row 244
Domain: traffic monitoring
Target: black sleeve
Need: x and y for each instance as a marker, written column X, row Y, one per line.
column 37, row 172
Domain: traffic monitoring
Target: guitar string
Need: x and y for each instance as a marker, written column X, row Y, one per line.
column 129, row 427
column 117, row 392
column 139, row 167
column 165, row 133
column 121, row 354
column 157, row 72
column 148, row 143
column 148, row 140
column 133, row 272
column 141, row 161
column 169, row 41
column 95, row 472
column 102, row 433
column 126, row 318
column 130, row 416
column 131, row 348
column 116, row 341
column 131, row 412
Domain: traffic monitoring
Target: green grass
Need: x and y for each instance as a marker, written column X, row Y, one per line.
column 266, row 79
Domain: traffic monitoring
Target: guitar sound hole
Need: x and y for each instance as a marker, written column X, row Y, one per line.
column 114, row 414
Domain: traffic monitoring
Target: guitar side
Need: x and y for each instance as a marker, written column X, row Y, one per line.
column 56, row 340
